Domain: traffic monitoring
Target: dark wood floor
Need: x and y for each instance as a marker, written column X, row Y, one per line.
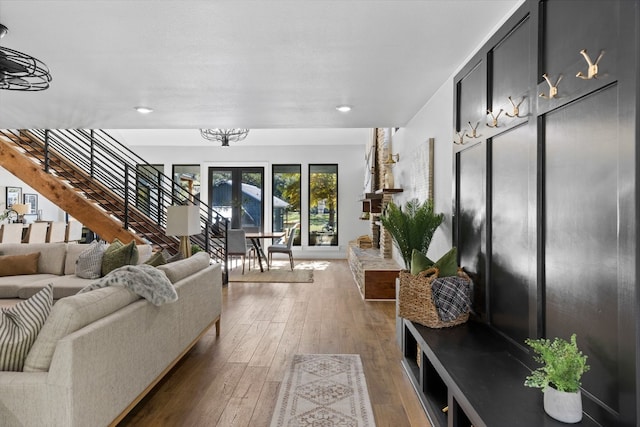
column 233, row 380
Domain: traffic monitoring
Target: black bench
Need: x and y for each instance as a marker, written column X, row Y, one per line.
column 467, row 375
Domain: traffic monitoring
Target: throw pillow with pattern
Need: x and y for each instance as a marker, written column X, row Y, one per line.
column 19, row 327
column 89, row 262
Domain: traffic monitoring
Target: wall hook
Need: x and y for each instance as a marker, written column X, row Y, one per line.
column 553, row 89
column 473, row 131
column 460, row 140
column 494, row 119
column 516, row 108
column 592, row 71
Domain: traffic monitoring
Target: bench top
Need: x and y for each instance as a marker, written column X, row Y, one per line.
column 484, row 377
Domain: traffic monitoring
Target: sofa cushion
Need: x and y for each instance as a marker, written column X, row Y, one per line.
column 70, row 314
column 10, row 285
column 19, row 327
column 16, row 265
column 52, row 255
column 178, row 270
column 63, row 286
column 89, row 262
column 118, row 255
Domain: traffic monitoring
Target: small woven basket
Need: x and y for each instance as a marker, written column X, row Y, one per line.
column 415, row 300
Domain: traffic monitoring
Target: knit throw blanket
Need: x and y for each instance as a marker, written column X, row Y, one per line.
column 145, row 280
column 451, row 296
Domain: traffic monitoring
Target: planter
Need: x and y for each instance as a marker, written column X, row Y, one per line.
column 563, row 406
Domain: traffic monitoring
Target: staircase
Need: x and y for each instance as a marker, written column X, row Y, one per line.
column 106, row 186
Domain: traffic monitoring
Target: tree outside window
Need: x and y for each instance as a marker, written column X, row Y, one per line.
column 323, row 205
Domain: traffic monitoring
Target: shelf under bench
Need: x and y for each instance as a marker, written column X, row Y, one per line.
column 470, row 369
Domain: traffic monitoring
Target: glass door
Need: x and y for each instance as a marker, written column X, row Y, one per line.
column 237, row 193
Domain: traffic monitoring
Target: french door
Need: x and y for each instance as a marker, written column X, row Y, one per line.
column 237, row 193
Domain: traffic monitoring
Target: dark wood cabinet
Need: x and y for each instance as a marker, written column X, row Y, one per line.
column 546, row 203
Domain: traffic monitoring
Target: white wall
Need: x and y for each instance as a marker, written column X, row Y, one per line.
column 50, row 212
column 344, row 148
column 434, row 120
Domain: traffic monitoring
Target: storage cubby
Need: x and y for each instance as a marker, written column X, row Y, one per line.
column 474, row 373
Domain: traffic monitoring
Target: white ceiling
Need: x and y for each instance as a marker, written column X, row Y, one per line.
column 265, row 64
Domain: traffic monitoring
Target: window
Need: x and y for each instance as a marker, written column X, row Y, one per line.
column 286, row 198
column 323, row 205
column 187, row 180
column 148, row 194
column 236, row 193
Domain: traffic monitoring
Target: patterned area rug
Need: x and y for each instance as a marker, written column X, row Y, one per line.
column 327, row 390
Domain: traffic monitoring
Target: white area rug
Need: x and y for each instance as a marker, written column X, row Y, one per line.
column 327, row 390
column 280, row 272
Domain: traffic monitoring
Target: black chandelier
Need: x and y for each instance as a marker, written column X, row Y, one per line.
column 19, row 71
column 224, row 135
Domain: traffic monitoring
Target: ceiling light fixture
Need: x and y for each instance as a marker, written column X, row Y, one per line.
column 144, row 110
column 19, row 71
column 343, row 108
column 224, row 135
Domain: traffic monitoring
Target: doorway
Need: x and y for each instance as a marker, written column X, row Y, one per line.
column 237, row 194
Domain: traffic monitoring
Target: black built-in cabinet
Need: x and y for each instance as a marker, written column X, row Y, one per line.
column 545, row 203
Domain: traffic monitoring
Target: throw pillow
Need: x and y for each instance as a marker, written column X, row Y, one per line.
column 156, row 259
column 448, row 263
column 419, row 262
column 118, row 255
column 15, row 265
column 19, row 327
column 89, row 262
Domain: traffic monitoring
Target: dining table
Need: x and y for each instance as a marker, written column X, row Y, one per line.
column 255, row 238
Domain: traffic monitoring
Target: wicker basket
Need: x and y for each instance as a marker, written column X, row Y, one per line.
column 416, row 303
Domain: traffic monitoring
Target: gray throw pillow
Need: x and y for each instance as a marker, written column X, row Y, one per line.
column 89, row 262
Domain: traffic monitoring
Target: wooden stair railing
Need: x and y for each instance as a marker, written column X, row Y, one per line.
column 76, row 192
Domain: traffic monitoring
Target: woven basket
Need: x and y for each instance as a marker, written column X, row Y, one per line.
column 416, row 303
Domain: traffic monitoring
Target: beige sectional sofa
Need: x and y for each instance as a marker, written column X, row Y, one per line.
column 100, row 352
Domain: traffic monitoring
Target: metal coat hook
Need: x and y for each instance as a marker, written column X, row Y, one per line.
column 460, row 140
column 494, row 119
column 473, row 131
column 592, row 71
column 553, row 89
column 516, row 108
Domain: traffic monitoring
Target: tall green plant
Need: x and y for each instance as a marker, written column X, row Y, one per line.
column 412, row 227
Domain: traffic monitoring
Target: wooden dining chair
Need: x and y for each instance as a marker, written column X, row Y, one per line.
column 36, row 233
column 73, row 232
column 284, row 248
column 56, row 231
column 11, row 233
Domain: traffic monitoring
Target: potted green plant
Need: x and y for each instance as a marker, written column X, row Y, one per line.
column 411, row 227
column 559, row 376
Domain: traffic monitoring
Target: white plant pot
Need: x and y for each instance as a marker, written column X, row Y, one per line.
column 562, row 405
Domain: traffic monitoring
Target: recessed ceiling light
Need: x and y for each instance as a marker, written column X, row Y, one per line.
column 343, row 108
column 144, row 110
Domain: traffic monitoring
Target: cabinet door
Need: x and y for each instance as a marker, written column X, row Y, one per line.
column 510, row 77
column 570, row 27
column 513, row 250
column 471, row 106
column 471, row 199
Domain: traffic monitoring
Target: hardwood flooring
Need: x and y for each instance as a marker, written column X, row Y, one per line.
column 233, row 379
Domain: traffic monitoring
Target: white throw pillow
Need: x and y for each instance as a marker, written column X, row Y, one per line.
column 89, row 262
column 19, row 327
